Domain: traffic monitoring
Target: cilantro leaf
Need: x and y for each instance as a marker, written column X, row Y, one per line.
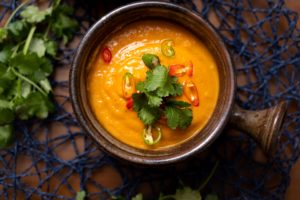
column 38, row 46
column 26, row 89
column 4, row 84
column 37, row 76
column 46, row 85
column 139, row 101
column 186, row 118
column 176, row 117
column 11, row 91
column 187, row 193
column 3, row 69
column 140, row 86
column 6, row 135
column 80, row 195
column 173, row 117
column 5, row 54
column 137, row 197
column 181, row 104
column 161, row 83
column 153, row 100
column 35, row 105
column 18, row 29
column 117, row 198
column 67, row 10
column 149, row 115
column 156, row 78
column 8, row 74
column 5, row 104
column 165, row 91
column 46, row 66
column 31, row 64
column 62, row 24
column 33, row 14
column 178, row 89
column 26, row 64
column 170, row 89
column 6, row 78
column 3, row 34
column 51, row 48
column 6, row 116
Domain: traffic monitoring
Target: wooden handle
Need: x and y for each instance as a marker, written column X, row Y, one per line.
column 262, row 125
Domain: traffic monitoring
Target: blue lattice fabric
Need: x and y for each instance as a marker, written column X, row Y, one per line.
column 54, row 158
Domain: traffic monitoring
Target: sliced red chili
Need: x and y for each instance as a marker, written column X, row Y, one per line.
column 190, row 69
column 129, row 103
column 106, row 55
column 128, row 85
column 191, row 92
column 177, row 70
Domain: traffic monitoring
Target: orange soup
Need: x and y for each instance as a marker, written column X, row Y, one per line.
column 125, row 50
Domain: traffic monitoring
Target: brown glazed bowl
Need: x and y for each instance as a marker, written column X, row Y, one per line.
column 263, row 125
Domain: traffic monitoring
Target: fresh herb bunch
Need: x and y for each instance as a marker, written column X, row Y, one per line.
column 26, row 50
column 156, row 97
column 184, row 192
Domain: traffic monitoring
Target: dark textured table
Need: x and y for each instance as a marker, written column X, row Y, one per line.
column 54, row 158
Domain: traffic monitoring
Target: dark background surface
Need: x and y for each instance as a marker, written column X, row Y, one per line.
column 56, row 158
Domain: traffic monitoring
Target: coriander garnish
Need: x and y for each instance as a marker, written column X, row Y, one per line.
column 26, row 47
column 155, row 99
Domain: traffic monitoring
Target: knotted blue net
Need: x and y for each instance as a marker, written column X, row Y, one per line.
column 54, row 158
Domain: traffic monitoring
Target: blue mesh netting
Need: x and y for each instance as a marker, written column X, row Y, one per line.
column 54, row 158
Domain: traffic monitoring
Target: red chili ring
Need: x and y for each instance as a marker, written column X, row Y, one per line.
column 106, row 55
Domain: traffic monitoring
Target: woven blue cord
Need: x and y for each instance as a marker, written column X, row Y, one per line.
column 263, row 56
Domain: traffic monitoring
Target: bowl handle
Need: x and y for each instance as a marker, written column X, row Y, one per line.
column 262, row 125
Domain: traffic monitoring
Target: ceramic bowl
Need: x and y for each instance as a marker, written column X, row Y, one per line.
column 263, row 125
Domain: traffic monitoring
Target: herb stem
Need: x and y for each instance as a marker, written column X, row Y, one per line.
column 29, row 81
column 55, row 3
column 28, row 40
column 19, row 88
column 209, row 176
column 14, row 12
column 15, row 49
column 47, row 31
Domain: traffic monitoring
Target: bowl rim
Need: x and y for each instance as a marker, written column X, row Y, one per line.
column 74, row 95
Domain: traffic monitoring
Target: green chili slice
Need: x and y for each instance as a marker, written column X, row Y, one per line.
column 167, row 48
column 128, row 85
column 148, row 136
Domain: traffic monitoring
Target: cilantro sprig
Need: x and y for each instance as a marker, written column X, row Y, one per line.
column 155, row 97
column 27, row 47
column 184, row 192
column 80, row 195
